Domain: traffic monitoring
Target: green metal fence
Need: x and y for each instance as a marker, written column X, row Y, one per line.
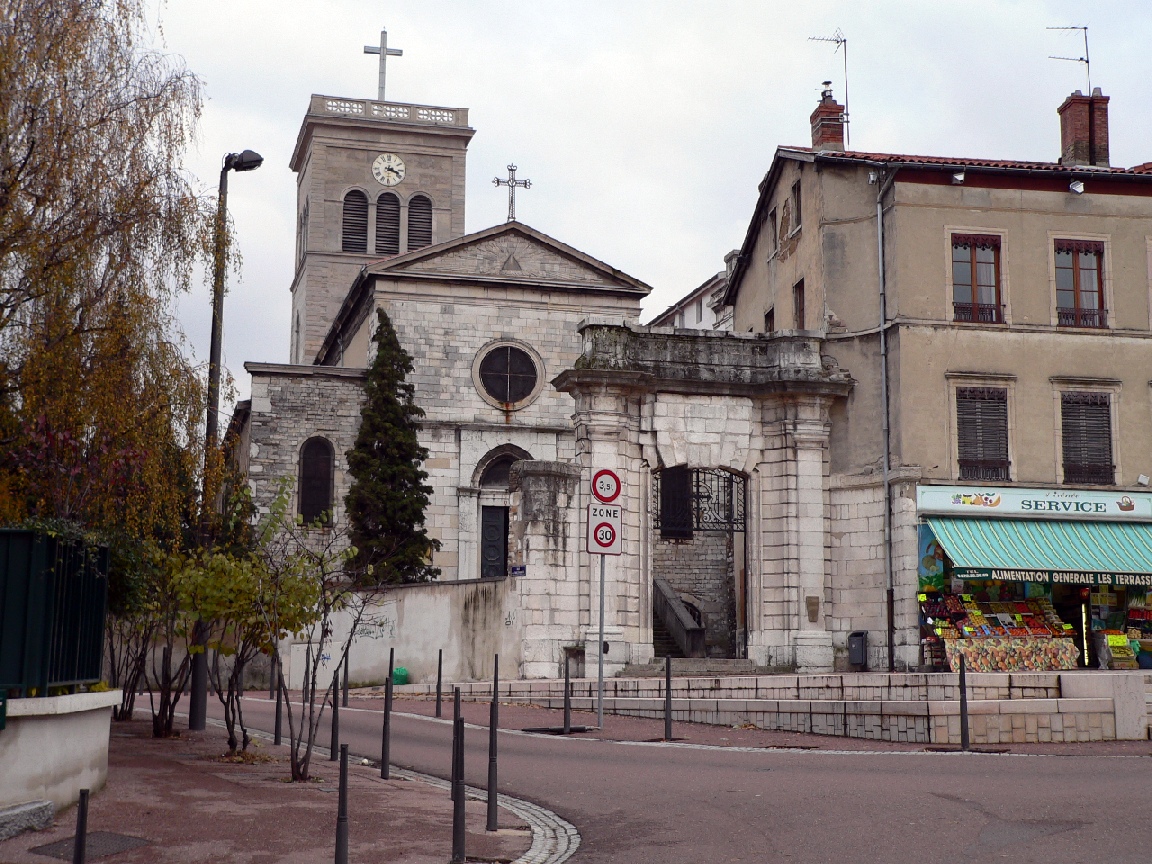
column 53, row 596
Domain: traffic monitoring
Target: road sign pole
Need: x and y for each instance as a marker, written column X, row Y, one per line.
column 600, row 655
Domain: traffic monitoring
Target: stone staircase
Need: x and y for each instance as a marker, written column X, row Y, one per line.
column 662, row 642
column 700, row 667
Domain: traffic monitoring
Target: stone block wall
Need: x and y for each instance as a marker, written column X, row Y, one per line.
column 291, row 404
column 857, row 595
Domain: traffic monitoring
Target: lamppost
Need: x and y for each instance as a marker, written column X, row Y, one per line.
column 249, row 160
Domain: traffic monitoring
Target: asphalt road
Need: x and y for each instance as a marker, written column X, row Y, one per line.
column 665, row 804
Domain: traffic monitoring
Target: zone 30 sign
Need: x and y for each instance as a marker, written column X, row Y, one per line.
column 604, row 529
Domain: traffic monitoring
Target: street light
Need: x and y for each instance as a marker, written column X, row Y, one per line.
column 249, row 160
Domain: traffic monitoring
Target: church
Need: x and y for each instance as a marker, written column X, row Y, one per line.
column 910, row 334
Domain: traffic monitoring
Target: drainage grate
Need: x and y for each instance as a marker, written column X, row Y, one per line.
column 99, row 844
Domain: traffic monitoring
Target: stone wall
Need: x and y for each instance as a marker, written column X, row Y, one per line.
column 701, row 569
column 291, row 404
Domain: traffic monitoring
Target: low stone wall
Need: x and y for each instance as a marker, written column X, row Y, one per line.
column 1003, row 707
column 55, row 746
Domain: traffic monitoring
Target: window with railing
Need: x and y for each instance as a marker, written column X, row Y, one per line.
column 1086, row 438
column 1080, row 283
column 982, row 433
column 976, row 284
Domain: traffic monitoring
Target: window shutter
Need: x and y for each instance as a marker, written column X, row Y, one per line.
column 1086, row 432
column 387, row 224
column 982, row 433
column 419, row 223
column 355, row 227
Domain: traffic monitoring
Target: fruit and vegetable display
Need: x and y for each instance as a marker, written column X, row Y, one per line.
column 1020, row 635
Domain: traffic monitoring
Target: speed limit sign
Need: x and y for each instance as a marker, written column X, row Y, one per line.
column 604, row 529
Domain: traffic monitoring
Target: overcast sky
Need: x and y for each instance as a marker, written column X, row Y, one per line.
column 644, row 125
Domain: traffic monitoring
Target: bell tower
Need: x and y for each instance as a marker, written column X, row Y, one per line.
column 374, row 179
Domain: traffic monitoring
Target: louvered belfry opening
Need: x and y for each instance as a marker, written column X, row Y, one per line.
column 387, row 224
column 982, row 433
column 419, row 223
column 316, row 463
column 354, row 236
column 1086, row 432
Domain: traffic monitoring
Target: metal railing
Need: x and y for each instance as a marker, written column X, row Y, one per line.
column 1081, row 318
column 674, row 614
column 55, row 594
column 979, row 313
column 984, row 469
column 1101, row 475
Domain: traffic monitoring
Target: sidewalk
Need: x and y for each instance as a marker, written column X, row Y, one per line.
column 192, row 807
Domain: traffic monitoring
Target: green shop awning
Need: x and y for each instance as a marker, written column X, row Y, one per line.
column 1034, row 550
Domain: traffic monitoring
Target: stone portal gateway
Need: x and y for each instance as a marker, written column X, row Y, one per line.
column 660, row 406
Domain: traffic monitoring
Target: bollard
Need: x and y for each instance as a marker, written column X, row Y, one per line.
column 439, row 676
column 567, row 698
column 668, row 698
column 458, row 788
column 344, row 698
column 386, row 740
column 342, row 811
column 79, row 844
column 335, row 743
column 279, row 718
column 965, row 743
column 493, row 725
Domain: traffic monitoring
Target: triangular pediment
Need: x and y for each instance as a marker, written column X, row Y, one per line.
column 511, row 253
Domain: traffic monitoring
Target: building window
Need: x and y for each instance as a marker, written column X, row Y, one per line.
column 1086, row 437
column 355, row 225
column 798, row 305
column 770, row 320
column 302, row 234
column 976, row 292
column 698, row 308
column 773, row 232
column 796, row 221
column 316, row 462
column 508, row 374
column 982, row 433
column 419, row 223
column 1080, row 284
column 387, row 224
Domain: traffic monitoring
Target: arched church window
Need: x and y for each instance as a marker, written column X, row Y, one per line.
column 387, row 224
column 316, row 464
column 355, row 225
column 419, row 222
column 508, row 374
column 495, row 476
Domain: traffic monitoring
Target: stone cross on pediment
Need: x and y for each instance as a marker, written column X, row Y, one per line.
column 385, row 52
column 512, row 183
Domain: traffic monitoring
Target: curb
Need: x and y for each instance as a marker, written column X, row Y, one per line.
column 554, row 839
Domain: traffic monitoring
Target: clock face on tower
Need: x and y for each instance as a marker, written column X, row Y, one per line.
column 388, row 169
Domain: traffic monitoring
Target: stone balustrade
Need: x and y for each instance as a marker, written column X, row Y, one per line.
column 427, row 115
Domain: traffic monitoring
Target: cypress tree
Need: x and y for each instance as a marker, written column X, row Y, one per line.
column 388, row 496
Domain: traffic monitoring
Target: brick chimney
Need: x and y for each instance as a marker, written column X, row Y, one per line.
column 1083, row 129
column 827, row 122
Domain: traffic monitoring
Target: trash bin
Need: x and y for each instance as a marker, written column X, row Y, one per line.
column 858, row 648
column 400, row 675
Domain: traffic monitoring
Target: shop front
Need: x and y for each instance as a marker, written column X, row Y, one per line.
column 1020, row 579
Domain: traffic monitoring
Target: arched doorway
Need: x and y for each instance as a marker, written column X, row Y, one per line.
column 492, row 479
column 698, row 553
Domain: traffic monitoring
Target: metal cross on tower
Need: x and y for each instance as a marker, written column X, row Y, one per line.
column 512, row 183
column 385, row 52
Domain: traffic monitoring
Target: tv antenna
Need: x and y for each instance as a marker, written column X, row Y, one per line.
column 841, row 41
column 1085, row 59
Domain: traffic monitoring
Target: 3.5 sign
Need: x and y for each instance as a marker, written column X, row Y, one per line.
column 606, row 486
column 604, row 529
